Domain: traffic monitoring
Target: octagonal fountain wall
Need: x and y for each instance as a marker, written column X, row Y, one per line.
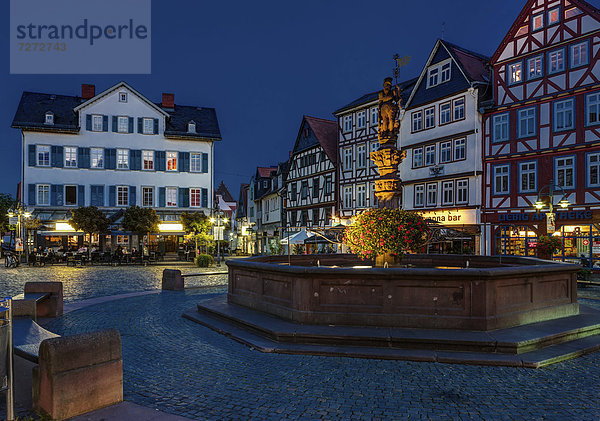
column 435, row 291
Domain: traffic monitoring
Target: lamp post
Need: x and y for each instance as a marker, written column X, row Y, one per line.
column 218, row 233
column 20, row 213
column 563, row 203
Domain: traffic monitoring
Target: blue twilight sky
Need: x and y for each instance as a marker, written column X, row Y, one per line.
column 264, row 64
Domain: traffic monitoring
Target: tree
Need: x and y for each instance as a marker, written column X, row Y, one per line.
column 6, row 202
column 140, row 221
column 90, row 220
column 198, row 225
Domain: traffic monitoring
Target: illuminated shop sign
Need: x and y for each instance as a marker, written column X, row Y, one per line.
column 452, row 217
column 541, row 216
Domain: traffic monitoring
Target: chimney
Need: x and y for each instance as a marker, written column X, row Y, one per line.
column 88, row 91
column 168, row 101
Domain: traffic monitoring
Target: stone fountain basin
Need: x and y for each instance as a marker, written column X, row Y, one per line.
column 491, row 293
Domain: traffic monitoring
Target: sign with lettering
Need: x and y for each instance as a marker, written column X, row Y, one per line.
column 452, row 217
column 550, row 223
column 540, row 216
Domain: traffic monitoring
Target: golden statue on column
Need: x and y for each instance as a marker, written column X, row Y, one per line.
column 388, row 157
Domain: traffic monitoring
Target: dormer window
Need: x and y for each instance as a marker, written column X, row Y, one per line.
column 439, row 73
column 191, row 127
column 122, row 96
column 49, row 118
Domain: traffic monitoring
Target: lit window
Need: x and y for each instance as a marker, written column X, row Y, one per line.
column 361, row 196
column 348, row 123
column 97, row 123
column 171, row 161
column 43, row 156
column 445, row 113
column 417, row 121
column 348, row 197
column 148, row 127
column 593, row 170
column 429, row 117
column 528, row 177
column 70, row 157
column 564, row 115
column 553, row 16
column 447, row 192
column 515, row 73
column 49, row 118
column 556, row 61
column 538, row 22
column 430, row 155
column 148, row 196
column 419, row 195
column 526, row 122
column 432, row 194
column 122, row 195
column 565, row 172
column 500, row 127
column 122, row 96
column 348, row 158
column 195, row 197
column 97, row 158
column 501, row 179
column 122, row 159
column 445, row 151
column 534, row 67
column 460, row 149
column 593, row 109
column 361, row 120
column 123, row 124
column 171, row 196
column 579, row 54
column 462, row 191
column 459, row 109
column 148, row 160
column 43, row 194
column 417, row 157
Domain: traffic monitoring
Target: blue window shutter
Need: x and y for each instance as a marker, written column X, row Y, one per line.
column 112, row 195
column 106, row 158
column 131, row 159
column 136, row 159
column 161, row 160
column 204, row 198
column 83, row 157
column 32, row 194
column 93, row 195
column 88, row 122
column 59, row 194
column 204, row 162
column 32, row 160
column 81, row 195
column 130, row 124
column 140, row 125
column 110, row 159
column 186, row 198
column 115, row 124
column 180, row 197
column 161, row 197
column 104, row 123
column 132, row 198
column 53, row 194
column 186, row 162
column 180, row 163
column 156, row 126
column 87, row 157
column 100, row 191
column 57, row 156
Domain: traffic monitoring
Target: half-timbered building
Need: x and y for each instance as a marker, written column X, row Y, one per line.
column 311, row 180
column 440, row 134
column 542, row 136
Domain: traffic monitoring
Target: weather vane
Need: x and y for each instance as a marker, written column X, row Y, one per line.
column 400, row 62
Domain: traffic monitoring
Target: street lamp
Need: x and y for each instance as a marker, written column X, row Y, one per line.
column 218, row 231
column 19, row 213
column 563, row 203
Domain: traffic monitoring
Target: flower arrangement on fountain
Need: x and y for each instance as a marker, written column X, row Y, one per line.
column 377, row 232
column 548, row 245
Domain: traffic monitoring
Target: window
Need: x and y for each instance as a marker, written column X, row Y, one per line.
column 304, row 218
column 374, row 117
column 265, row 184
column 97, row 158
column 417, row 157
column 348, row 197
column 123, row 240
column 328, row 185
column 445, row 151
column 526, row 122
column 304, row 189
column 565, row 172
column 171, row 197
column 191, row 127
column 123, row 124
column 417, row 121
column 593, row 109
column 49, row 118
column 294, row 192
column 148, row 196
column 593, row 170
column 459, row 109
column 348, row 158
column 537, row 22
column 373, row 195
column 361, row 196
column 432, row 78
column 572, row 12
column 445, row 113
column 430, row 155
column 70, row 157
column 122, row 96
column 515, row 73
column 445, row 73
column 361, row 156
column 348, row 123
column 195, row 162
column 122, row 195
column 122, row 159
column 43, row 194
column 361, row 120
column 553, row 16
column 523, row 30
column 195, row 197
column 563, row 115
column 429, row 117
column 70, row 195
column 97, row 123
column 419, row 195
column 462, row 191
column 460, row 149
column 43, row 155
column 556, row 61
column 534, row 67
column 501, row 179
column 500, row 127
column 315, row 188
column 528, row 177
column 579, row 54
column 148, row 160
column 148, row 126
column 447, row 192
column 432, row 194
column 315, row 217
column 171, row 161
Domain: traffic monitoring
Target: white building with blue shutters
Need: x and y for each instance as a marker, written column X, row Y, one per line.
column 114, row 150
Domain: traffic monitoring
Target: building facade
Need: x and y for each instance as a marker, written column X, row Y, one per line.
column 440, row 134
column 542, row 136
column 114, row 150
column 260, row 186
column 271, row 211
column 243, row 230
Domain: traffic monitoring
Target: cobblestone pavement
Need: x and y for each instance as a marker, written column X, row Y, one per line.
column 180, row 367
column 81, row 283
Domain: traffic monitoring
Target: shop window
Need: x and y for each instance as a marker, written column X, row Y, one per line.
column 516, row 241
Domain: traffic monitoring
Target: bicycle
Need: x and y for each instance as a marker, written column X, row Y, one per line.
column 11, row 261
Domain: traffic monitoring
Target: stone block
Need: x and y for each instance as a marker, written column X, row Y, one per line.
column 24, row 308
column 172, row 280
column 52, row 306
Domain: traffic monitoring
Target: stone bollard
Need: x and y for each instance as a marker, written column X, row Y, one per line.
column 51, row 307
column 172, row 280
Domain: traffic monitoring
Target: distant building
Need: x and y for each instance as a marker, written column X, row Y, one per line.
column 242, row 224
column 113, row 150
column 271, row 212
column 261, row 184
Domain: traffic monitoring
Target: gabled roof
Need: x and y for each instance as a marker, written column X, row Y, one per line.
column 207, row 125
column 473, row 66
column 583, row 5
column 265, row 172
column 326, row 132
column 224, row 193
column 405, row 88
column 33, row 106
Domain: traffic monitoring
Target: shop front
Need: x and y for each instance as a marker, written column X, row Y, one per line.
column 517, row 233
column 454, row 231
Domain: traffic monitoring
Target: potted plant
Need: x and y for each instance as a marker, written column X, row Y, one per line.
column 385, row 235
column 547, row 246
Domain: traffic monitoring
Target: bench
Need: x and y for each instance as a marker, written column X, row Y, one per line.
column 45, row 297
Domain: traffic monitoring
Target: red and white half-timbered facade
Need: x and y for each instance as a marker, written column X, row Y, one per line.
column 543, row 131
